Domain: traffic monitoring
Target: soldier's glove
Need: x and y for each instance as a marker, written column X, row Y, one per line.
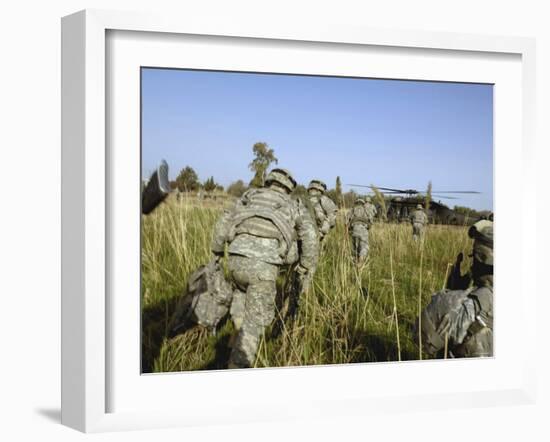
column 304, row 276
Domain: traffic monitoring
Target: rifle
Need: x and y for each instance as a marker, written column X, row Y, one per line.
column 299, row 282
column 297, row 287
column 456, row 280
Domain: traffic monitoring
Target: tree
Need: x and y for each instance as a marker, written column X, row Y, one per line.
column 210, row 185
column 300, row 190
column 348, row 199
column 338, row 191
column 428, row 198
column 236, row 189
column 263, row 158
column 187, row 180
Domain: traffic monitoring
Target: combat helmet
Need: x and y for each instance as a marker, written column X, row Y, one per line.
column 359, row 201
column 482, row 233
column 318, row 185
column 283, row 177
column 368, row 199
column 419, row 206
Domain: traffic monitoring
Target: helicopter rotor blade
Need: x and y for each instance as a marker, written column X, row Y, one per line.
column 378, row 188
column 357, row 185
column 445, row 197
column 423, row 195
column 389, row 190
column 393, row 190
column 456, row 191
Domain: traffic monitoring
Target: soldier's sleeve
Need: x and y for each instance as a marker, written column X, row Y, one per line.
column 221, row 233
column 331, row 210
column 319, row 212
column 443, row 320
column 222, row 229
column 462, row 320
column 307, row 237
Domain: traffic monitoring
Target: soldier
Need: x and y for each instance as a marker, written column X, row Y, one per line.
column 462, row 320
column 360, row 219
column 419, row 219
column 266, row 230
column 370, row 208
column 323, row 207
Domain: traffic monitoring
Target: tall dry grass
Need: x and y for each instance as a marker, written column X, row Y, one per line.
column 349, row 314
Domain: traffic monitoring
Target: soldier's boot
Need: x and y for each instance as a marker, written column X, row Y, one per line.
column 244, row 348
column 258, row 314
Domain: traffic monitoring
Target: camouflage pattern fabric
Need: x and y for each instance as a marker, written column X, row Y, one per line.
column 267, row 224
column 419, row 219
column 265, row 230
column 462, row 317
column 359, row 220
column 360, row 242
column 371, row 211
column 325, row 212
column 255, row 283
column 206, row 301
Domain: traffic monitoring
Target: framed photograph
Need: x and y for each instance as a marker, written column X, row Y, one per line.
column 291, row 223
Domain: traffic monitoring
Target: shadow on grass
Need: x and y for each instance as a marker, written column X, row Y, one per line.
column 155, row 320
column 222, row 350
column 378, row 347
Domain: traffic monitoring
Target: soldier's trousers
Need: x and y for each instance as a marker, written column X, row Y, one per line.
column 253, row 306
column 360, row 243
column 418, row 231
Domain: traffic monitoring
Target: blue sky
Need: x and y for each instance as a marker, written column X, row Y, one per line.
column 390, row 133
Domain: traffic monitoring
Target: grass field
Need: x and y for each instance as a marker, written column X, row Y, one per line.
column 348, row 315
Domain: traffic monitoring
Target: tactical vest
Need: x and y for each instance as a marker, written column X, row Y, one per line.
column 419, row 217
column 359, row 215
column 321, row 207
column 266, row 213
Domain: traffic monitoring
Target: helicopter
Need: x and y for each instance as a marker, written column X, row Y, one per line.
column 400, row 203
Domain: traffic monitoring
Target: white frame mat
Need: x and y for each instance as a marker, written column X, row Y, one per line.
column 102, row 389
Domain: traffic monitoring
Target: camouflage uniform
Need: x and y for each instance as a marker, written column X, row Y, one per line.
column 371, row 209
column 323, row 207
column 464, row 318
column 264, row 231
column 419, row 219
column 360, row 219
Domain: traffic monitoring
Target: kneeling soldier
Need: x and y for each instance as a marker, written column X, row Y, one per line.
column 462, row 320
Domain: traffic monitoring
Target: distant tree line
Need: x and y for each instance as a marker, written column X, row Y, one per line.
column 471, row 212
column 188, row 181
column 263, row 160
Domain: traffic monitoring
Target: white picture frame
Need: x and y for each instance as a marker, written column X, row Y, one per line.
column 87, row 232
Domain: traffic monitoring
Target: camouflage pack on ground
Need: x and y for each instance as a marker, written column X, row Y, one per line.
column 207, row 299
